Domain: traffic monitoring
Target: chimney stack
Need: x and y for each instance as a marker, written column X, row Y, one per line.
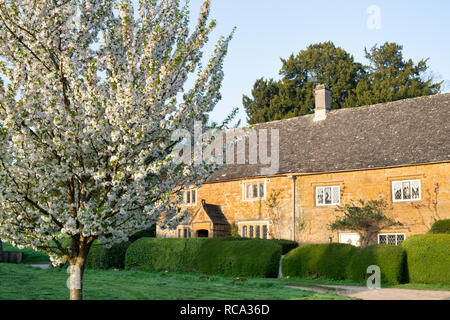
column 323, row 102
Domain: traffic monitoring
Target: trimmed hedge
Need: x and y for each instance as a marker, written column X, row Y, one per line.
column 253, row 258
column 319, row 261
column 101, row 257
column 440, row 226
column 164, row 254
column 428, row 258
column 147, row 233
column 229, row 256
column 29, row 255
column 390, row 259
column 286, row 245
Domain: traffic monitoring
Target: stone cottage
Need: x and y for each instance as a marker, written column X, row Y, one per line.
column 398, row 151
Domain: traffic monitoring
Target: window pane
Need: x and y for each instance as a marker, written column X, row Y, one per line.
column 336, row 195
column 188, row 197
column 185, row 233
column 415, row 189
column 264, row 232
column 400, row 238
column 249, row 191
column 258, row 233
column 179, row 233
column 244, row 231
column 391, row 239
column 406, row 190
column 382, row 239
column 255, row 191
column 397, row 190
column 261, row 190
column 194, row 195
column 251, row 232
column 319, row 195
column 327, row 195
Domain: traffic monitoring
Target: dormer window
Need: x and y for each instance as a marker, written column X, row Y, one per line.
column 190, row 197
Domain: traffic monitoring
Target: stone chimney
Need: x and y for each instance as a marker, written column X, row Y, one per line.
column 323, row 102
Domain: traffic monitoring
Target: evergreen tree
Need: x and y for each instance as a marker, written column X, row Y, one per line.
column 258, row 108
column 293, row 95
column 390, row 77
column 387, row 77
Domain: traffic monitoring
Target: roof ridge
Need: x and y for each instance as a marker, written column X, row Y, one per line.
column 363, row 107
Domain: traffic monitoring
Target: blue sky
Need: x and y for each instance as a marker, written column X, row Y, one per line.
column 268, row 30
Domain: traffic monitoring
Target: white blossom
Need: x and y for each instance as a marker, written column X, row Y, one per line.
column 89, row 97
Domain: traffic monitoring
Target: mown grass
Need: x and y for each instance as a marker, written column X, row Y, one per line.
column 20, row 282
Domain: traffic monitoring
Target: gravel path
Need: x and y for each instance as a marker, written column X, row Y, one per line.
column 39, row 265
column 380, row 294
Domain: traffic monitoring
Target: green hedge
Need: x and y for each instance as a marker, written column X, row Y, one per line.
column 390, row 259
column 147, row 233
column 428, row 258
column 29, row 255
column 101, row 257
column 441, row 226
column 253, row 258
column 163, row 254
column 318, row 260
column 286, row 245
column 230, row 256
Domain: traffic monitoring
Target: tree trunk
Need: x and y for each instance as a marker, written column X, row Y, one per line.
column 77, row 265
column 369, row 237
column 76, row 278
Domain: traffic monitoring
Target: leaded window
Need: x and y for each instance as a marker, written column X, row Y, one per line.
column 327, row 196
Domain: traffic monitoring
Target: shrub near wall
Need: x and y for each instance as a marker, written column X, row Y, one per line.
column 390, row 259
column 428, row 258
column 319, row 260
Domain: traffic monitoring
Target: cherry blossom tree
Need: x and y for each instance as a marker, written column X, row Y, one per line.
column 90, row 94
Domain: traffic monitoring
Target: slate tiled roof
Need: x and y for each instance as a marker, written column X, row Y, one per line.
column 411, row 131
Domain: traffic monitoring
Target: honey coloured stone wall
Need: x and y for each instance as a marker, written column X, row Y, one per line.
column 416, row 216
column 311, row 222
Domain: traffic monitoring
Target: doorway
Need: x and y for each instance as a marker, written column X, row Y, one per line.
column 202, row 233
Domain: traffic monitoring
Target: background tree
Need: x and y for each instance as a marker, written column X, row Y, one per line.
column 258, row 107
column 367, row 219
column 87, row 114
column 387, row 77
column 322, row 63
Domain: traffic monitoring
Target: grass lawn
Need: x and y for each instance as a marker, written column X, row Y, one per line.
column 20, row 282
column 29, row 255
